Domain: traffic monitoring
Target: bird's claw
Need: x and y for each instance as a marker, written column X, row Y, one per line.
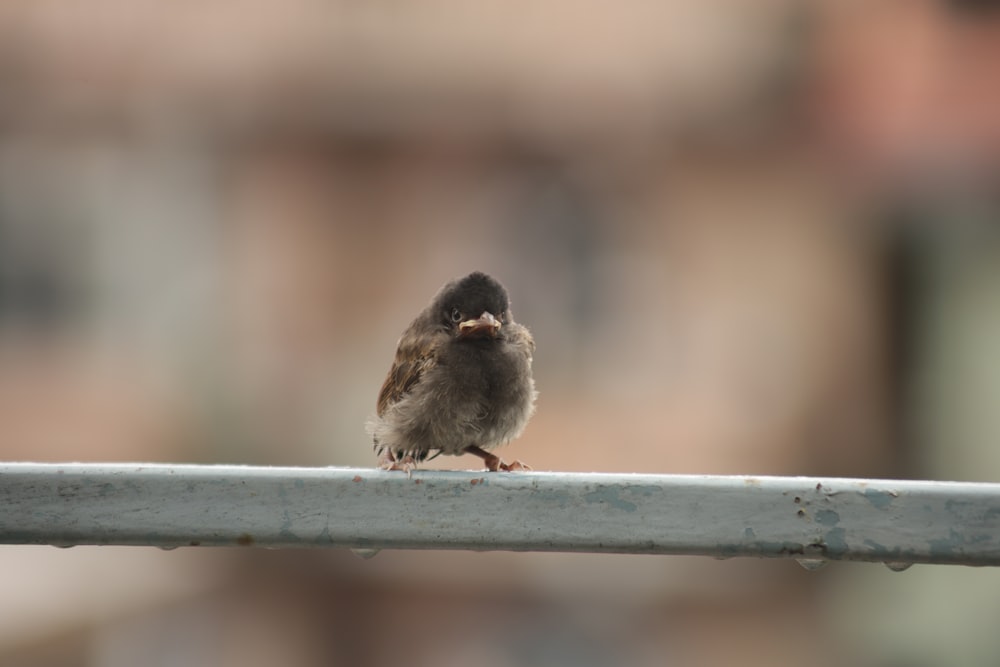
column 514, row 466
column 497, row 464
column 407, row 463
column 493, row 462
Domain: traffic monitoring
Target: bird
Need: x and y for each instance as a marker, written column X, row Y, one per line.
column 460, row 382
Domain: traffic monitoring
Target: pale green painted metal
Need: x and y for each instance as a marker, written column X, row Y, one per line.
column 796, row 517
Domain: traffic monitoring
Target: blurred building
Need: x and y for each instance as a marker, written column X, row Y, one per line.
column 749, row 238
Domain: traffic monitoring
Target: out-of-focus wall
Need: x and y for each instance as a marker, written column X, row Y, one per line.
column 749, row 238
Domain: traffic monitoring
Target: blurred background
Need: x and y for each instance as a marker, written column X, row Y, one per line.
column 750, row 238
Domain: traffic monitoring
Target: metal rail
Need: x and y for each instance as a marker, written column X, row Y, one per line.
column 810, row 519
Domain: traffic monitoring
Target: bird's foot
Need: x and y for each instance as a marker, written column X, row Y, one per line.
column 406, row 463
column 494, row 463
column 513, row 466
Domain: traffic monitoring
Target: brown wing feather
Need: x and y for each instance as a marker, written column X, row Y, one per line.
column 414, row 357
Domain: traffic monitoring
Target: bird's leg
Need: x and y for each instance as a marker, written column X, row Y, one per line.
column 388, row 461
column 493, row 462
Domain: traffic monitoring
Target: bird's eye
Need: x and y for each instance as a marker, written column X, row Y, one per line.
column 456, row 315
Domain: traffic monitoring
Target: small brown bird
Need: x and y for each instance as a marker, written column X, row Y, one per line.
column 461, row 380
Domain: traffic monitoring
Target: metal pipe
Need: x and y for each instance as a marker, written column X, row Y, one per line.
column 806, row 518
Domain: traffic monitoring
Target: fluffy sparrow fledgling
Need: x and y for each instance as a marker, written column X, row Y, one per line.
column 461, row 381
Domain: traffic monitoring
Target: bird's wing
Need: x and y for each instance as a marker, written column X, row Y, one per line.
column 414, row 357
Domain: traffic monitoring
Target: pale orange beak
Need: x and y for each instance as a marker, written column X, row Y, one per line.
column 486, row 326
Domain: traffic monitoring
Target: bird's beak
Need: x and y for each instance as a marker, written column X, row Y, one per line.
column 486, row 326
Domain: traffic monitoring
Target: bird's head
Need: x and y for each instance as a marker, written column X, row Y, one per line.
column 474, row 307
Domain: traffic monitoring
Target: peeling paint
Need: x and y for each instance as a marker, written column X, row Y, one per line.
column 767, row 548
column 610, row 495
column 827, row 518
column 879, row 499
column 558, row 497
column 324, row 536
column 945, row 546
column 877, row 547
column 836, row 541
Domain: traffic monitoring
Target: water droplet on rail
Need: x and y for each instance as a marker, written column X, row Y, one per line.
column 365, row 554
column 898, row 566
column 170, row 548
column 811, row 563
column 64, row 546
